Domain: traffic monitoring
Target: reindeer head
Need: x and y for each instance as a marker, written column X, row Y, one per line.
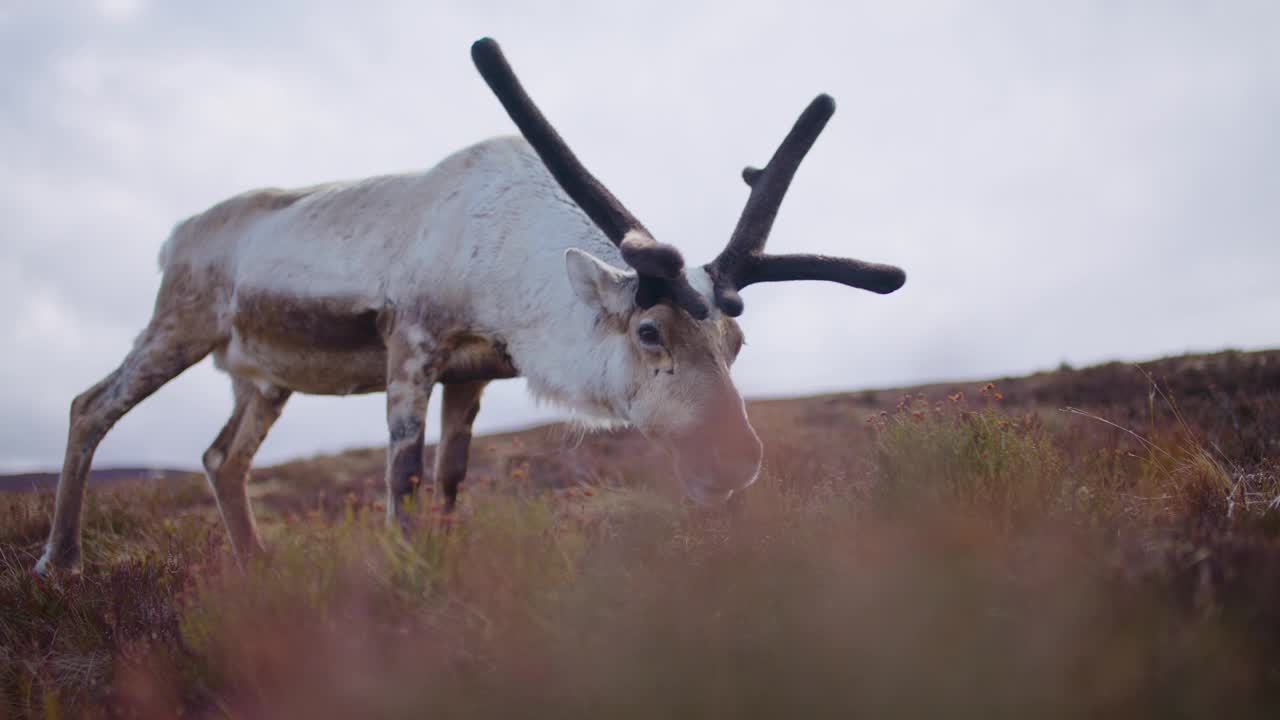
column 677, row 324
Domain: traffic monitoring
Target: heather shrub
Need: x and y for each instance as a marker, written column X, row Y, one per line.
column 983, row 460
column 994, row 559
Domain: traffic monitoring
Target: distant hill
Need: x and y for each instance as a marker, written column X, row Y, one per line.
column 1231, row 396
column 49, row 480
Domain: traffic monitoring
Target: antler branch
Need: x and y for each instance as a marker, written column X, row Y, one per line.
column 743, row 261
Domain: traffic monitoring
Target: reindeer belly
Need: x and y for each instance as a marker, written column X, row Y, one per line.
column 312, row 371
column 334, row 348
column 320, row 347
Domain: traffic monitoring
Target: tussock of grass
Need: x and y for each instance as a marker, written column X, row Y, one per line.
column 1002, row 468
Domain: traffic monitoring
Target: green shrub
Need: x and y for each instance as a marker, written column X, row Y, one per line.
column 982, row 461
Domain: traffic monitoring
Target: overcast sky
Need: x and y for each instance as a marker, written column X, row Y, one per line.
column 1062, row 181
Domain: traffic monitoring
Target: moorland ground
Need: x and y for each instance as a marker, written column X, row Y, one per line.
column 1102, row 542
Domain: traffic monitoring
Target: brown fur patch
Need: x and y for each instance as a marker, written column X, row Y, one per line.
column 461, row 404
column 470, row 357
column 321, row 324
column 187, row 305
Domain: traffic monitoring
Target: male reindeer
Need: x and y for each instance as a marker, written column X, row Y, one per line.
column 507, row 259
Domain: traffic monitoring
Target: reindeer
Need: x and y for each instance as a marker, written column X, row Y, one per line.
column 506, row 259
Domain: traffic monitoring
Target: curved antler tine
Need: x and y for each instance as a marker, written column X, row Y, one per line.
column 743, row 261
column 589, row 193
column 875, row 277
column 769, row 186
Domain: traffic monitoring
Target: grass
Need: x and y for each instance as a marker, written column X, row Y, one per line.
column 985, row 559
column 1000, row 468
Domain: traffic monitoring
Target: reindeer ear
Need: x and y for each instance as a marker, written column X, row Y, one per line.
column 597, row 283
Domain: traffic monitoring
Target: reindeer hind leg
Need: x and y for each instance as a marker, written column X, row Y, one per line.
column 227, row 460
column 160, row 354
column 461, row 404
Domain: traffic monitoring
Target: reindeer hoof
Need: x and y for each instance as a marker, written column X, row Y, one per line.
column 52, row 563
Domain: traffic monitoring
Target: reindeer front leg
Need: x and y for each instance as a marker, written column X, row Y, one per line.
column 411, row 363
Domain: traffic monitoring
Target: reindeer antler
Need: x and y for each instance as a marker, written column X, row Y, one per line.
column 743, row 261
column 660, row 266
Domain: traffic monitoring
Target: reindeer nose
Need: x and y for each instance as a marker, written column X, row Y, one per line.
column 736, row 460
column 742, row 459
column 724, row 462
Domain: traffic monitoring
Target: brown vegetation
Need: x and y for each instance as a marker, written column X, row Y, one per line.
column 1101, row 543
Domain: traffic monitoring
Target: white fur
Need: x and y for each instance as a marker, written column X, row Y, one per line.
column 700, row 280
column 482, row 238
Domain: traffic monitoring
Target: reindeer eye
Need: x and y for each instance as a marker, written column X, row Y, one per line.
column 648, row 335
